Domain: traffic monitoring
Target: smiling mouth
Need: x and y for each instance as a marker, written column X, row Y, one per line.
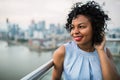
column 78, row 38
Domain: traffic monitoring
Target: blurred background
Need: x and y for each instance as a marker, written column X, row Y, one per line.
column 30, row 31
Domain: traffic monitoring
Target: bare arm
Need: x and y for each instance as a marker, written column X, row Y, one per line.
column 58, row 58
column 109, row 71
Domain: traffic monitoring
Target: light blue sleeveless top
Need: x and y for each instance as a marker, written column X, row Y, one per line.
column 80, row 65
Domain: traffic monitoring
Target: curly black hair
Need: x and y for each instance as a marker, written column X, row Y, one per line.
column 95, row 14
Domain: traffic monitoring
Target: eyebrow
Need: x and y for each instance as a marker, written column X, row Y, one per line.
column 79, row 23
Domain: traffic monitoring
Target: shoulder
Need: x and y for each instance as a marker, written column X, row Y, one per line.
column 60, row 51
column 58, row 55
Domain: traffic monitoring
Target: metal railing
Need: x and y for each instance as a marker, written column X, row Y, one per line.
column 36, row 74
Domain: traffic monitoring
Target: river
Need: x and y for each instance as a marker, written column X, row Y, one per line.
column 18, row 61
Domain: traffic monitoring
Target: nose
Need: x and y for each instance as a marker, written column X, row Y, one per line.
column 76, row 31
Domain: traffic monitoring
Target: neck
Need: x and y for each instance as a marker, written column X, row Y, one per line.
column 88, row 48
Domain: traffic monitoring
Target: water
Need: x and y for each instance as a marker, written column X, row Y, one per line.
column 18, row 61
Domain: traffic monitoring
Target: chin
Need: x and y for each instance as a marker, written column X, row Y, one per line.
column 78, row 42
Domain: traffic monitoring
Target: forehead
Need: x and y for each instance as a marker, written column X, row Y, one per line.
column 80, row 19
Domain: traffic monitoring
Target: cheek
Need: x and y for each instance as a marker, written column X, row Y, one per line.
column 88, row 33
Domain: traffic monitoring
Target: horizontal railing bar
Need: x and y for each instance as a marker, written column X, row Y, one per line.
column 113, row 39
column 39, row 72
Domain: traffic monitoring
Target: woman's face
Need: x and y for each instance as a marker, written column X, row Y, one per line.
column 81, row 30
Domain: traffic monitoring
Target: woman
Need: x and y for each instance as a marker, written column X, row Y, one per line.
column 85, row 58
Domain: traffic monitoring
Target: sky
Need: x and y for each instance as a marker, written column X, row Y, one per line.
column 23, row 12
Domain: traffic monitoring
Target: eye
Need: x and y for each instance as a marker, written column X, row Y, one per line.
column 82, row 26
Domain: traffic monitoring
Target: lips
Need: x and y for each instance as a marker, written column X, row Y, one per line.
column 78, row 38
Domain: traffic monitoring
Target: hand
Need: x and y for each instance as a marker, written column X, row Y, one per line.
column 100, row 46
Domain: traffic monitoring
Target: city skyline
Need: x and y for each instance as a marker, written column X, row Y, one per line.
column 23, row 12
